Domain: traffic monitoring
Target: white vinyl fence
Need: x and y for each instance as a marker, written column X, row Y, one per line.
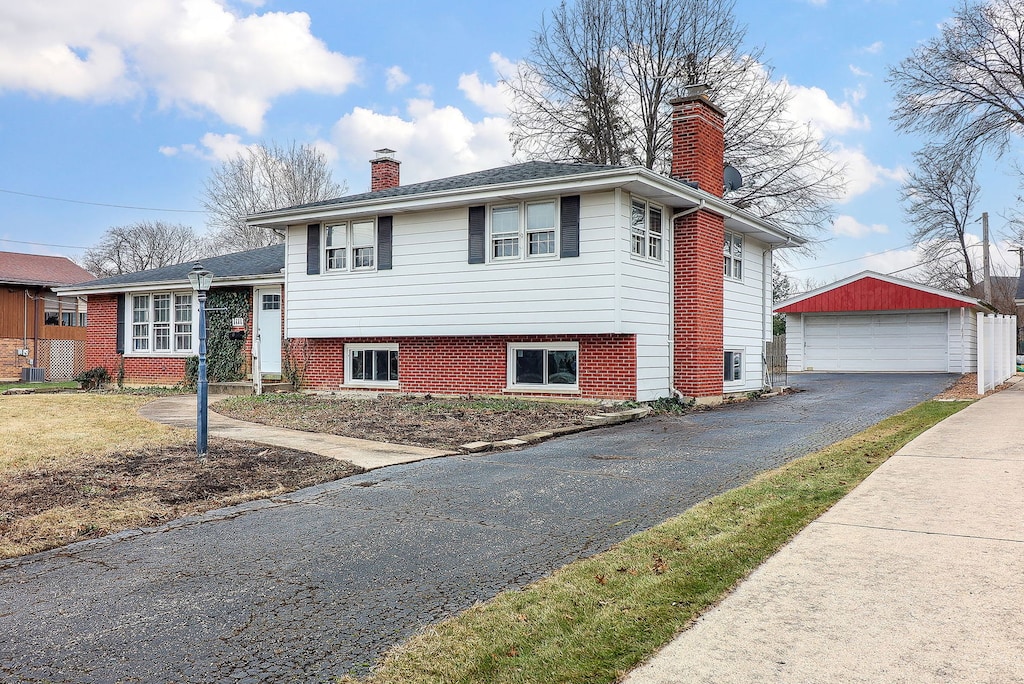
column 997, row 350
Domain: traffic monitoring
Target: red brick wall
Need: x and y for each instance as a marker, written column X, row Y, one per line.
column 101, row 349
column 475, row 365
column 384, row 174
column 698, row 143
column 699, row 304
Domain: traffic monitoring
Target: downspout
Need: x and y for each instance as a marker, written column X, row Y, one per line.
column 766, row 264
column 35, row 331
column 672, row 301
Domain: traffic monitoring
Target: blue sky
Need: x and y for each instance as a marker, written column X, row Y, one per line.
column 119, row 102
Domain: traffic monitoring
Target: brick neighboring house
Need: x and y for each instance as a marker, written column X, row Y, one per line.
column 39, row 329
column 147, row 320
column 536, row 279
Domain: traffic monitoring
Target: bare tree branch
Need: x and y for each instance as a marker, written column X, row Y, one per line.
column 142, row 246
column 596, row 86
column 939, row 198
column 264, row 177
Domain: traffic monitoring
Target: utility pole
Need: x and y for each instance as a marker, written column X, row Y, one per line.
column 1020, row 255
column 984, row 243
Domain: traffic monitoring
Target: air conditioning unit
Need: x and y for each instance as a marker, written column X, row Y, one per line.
column 33, row 375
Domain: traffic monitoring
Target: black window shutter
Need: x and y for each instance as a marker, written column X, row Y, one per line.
column 313, row 249
column 570, row 226
column 477, row 235
column 120, row 323
column 384, row 226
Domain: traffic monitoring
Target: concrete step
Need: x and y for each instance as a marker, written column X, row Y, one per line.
column 243, row 387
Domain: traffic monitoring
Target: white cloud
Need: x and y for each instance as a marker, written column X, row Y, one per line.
column 493, row 98
column 814, row 106
column 197, row 55
column 431, row 142
column 847, row 226
column 424, row 90
column 212, row 146
column 857, row 71
column 873, row 49
column 396, row 78
column 861, row 173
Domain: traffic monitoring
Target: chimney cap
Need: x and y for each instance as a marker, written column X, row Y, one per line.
column 697, row 93
column 384, row 153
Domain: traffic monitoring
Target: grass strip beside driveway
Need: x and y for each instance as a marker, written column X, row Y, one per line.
column 596, row 619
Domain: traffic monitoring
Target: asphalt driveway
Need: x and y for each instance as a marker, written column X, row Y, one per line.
column 321, row 582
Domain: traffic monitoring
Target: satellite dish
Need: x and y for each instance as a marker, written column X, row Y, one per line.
column 733, row 179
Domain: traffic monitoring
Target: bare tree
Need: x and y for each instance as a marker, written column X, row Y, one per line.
column 596, row 86
column 966, row 86
column 141, row 246
column 264, row 177
column 939, row 198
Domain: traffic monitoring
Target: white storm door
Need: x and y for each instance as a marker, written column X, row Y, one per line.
column 268, row 328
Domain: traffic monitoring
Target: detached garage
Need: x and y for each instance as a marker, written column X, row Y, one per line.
column 876, row 323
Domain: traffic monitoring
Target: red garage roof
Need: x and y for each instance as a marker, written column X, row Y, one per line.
column 869, row 291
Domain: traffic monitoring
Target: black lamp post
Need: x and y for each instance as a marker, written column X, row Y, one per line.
column 200, row 279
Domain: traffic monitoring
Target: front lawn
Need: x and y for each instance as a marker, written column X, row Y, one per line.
column 405, row 419
column 79, row 466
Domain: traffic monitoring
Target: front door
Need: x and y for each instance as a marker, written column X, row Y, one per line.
column 268, row 329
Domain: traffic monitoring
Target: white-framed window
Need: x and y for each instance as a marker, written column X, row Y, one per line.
column 527, row 230
column 646, row 230
column 733, row 366
column 350, row 246
column 162, row 323
column 371, row 364
column 543, row 366
column 733, row 255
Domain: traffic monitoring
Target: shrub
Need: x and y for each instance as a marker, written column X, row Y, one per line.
column 94, row 378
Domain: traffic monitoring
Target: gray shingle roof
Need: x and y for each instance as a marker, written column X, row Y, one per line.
column 255, row 262
column 514, row 173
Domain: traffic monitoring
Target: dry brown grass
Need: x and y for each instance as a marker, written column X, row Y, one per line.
column 79, row 466
column 44, row 430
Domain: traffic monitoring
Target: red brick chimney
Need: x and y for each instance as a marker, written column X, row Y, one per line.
column 698, row 150
column 384, row 170
column 698, row 140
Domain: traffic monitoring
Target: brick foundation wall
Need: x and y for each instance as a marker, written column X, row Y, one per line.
column 606, row 365
column 10, row 363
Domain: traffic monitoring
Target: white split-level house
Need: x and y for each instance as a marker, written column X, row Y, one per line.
column 536, row 279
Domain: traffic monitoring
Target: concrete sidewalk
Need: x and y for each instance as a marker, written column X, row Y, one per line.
column 180, row 411
column 916, row 576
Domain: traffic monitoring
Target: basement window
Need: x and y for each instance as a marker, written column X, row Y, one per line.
column 543, row 366
column 371, row 365
column 733, row 367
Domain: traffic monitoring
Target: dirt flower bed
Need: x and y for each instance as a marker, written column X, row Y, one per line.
column 404, row 419
column 48, row 506
column 966, row 387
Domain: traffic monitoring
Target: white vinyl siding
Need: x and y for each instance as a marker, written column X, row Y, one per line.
column 432, row 290
column 747, row 314
column 645, row 307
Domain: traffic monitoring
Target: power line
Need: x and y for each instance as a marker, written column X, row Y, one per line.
column 867, row 256
column 102, row 204
column 41, row 244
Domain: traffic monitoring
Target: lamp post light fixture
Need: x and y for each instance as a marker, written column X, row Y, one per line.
column 200, row 279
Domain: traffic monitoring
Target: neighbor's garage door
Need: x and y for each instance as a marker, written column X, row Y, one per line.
column 876, row 342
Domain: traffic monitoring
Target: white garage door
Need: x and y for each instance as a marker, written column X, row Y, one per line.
column 876, row 342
